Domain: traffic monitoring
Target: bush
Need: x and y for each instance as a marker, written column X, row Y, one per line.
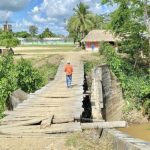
column 135, row 82
column 29, row 78
column 8, row 79
column 12, row 77
column 49, row 71
column 147, row 107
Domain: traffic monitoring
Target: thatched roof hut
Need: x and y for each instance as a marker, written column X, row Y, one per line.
column 100, row 35
column 95, row 37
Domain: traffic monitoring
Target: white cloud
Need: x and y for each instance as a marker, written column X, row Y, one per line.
column 26, row 23
column 57, row 11
column 4, row 15
column 38, row 19
column 59, row 8
column 14, row 5
column 62, row 9
column 7, row 8
column 49, row 13
column 35, row 10
column 21, row 26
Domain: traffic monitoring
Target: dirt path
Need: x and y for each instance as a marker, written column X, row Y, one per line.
column 40, row 122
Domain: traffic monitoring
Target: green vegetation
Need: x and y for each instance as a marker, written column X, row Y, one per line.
column 8, row 79
column 130, row 21
column 22, row 34
column 46, row 34
column 89, row 64
column 8, row 40
column 29, row 78
column 21, row 75
column 82, row 22
column 33, row 30
column 48, row 71
column 135, row 82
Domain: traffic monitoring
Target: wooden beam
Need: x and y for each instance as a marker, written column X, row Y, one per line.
column 113, row 124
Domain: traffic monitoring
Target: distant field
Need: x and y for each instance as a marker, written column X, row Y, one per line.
column 45, row 49
column 52, row 45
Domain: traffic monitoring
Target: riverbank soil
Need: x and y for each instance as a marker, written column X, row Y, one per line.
column 89, row 140
column 135, row 117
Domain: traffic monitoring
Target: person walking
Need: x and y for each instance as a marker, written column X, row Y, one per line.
column 69, row 70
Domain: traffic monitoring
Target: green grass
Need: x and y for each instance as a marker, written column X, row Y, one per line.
column 47, row 65
column 56, row 45
column 49, row 71
column 47, row 51
column 90, row 64
column 51, row 49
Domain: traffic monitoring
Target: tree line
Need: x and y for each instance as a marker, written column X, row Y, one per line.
column 33, row 32
column 10, row 39
column 130, row 21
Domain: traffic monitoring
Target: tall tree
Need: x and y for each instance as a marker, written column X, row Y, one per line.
column 46, row 34
column 98, row 22
column 127, row 21
column 33, row 30
column 147, row 18
column 80, row 23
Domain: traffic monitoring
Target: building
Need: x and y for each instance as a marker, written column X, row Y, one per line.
column 46, row 41
column 7, row 27
column 95, row 37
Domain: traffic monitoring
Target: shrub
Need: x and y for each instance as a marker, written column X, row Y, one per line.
column 135, row 82
column 147, row 107
column 8, row 79
column 29, row 78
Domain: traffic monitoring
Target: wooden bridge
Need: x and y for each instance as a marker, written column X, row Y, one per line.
column 52, row 110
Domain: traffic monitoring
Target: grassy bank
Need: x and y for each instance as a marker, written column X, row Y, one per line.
column 48, row 66
column 90, row 61
column 135, row 82
column 89, row 140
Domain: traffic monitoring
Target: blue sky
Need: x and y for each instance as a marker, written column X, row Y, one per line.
column 44, row 13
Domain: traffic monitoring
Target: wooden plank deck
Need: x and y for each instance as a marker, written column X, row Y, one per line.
column 54, row 103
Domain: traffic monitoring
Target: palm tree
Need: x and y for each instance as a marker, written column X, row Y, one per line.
column 81, row 22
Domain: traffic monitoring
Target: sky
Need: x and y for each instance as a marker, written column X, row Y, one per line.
column 50, row 14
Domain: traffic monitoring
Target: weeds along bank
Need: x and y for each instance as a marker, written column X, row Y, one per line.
column 22, row 75
column 135, row 82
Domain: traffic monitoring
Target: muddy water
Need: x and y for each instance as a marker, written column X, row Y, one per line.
column 141, row 131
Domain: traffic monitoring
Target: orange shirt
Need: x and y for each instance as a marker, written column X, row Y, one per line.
column 68, row 69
